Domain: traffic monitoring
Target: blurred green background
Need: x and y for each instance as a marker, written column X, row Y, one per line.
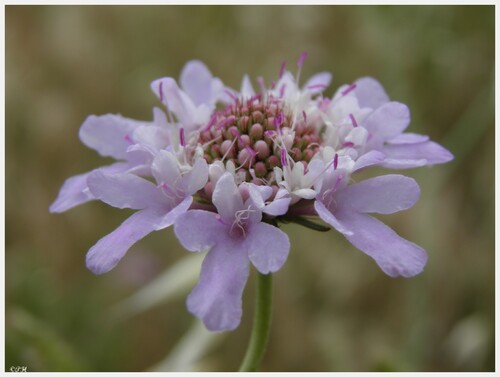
column 334, row 310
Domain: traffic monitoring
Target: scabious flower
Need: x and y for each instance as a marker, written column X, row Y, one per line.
column 226, row 167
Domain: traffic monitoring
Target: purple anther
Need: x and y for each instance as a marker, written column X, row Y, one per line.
column 160, row 89
column 269, row 133
column 278, row 121
column 226, row 122
column 211, row 122
column 283, row 153
column 335, row 161
column 353, row 120
column 231, row 95
column 181, row 136
column 349, row 89
column 255, row 97
column 282, row 90
column 347, row 144
column 282, row 69
column 236, row 134
column 167, row 188
column 273, row 84
column 304, row 115
column 128, row 139
column 302, row 58
column 251, row 151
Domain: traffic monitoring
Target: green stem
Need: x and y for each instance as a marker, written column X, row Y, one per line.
column 261, row 324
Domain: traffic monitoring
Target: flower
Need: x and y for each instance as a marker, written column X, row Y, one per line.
column 158, row 206
column 231, row 166
column 233, row 237
column 111, row 136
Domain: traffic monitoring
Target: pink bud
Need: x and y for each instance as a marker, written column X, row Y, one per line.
column 256, row 131
column 262, row 149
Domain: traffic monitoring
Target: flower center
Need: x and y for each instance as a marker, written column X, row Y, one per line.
column 258, row 135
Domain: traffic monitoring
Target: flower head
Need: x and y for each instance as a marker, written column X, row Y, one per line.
column 229, row 166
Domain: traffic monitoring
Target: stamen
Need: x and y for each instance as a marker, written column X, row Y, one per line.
column 128, row 139
column 278, row 121
column 236, row 134
column 181, row 136
column 301, row 60
column 304, row 115
column 160, row 89
column 211, row 122
column 252, row 156
column 353, row 120
column 283, row 155
column 230, row 94
column 282, row 69
column 335, row 161
column 349, row 89
column 269, row 133
column 347, row 144
column 169, row 191
column 226, row 122
column 255, row 97
column 282, row 90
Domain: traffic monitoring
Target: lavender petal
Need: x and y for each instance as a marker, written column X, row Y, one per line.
column 268, row 247
column 109, row 250
column 383, row 194
column 217, row 298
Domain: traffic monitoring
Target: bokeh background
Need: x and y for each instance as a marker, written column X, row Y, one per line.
column 334, row 310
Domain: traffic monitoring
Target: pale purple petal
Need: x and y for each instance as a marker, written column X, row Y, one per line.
column 328, row 217
column 383, row 194
column 109, row 134
column 370, row 158
column 277, row 207
column 370, row 93
column 408, row 138
column 173, row 214
column 176, row 100
column 268, row 247
column 395, row 255
column 217, row 298
column 430, row 151
column 123, row 190
column 109, row 250
column 318, row 83
column 199, row 230
column 247, row 88
column 152, row 138
column 198, row 176
column 227, row 197
column 196, row 80
column 388, row 121
column 393, row 163
column 165, row 168
column 258, row 194
column 75, row 191
column 305, row 193
column 72, row 193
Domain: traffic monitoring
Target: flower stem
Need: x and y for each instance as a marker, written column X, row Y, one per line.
column 261, row 325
